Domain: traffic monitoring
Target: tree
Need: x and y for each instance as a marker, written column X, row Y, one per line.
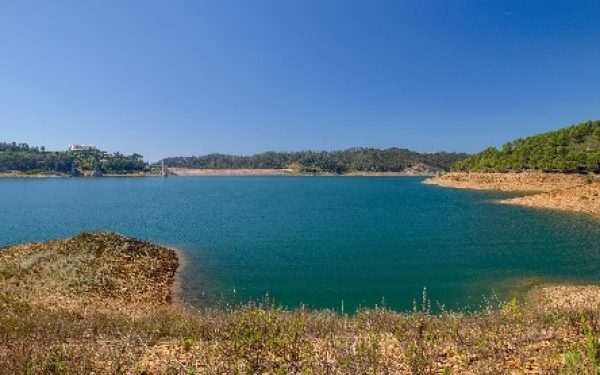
column 571, row 149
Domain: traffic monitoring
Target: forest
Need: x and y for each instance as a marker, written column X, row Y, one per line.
column 344, row 161
column 21, row 157
column 574, row 149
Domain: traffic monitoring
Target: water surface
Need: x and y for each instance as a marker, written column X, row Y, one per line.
column 317, row 240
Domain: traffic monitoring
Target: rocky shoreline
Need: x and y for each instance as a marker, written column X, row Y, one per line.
column 228, row 172
column 566, row 192
column 518, row 182
column 35, row 175
column 416, row 170
column 582, row 199
column 563, row 297
column 89, row 174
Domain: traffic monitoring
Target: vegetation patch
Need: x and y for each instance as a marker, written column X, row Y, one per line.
column 572, row 149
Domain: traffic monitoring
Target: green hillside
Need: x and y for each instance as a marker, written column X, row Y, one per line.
column 23, row 158
column 572, row 149
column 356, row 159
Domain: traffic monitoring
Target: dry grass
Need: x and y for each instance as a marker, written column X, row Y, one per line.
column 264, row 339
column 90, row 272
column 41, row 338
column 566, row 297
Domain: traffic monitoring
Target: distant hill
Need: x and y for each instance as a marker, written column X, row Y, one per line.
column 345, row 161
column 572, row 149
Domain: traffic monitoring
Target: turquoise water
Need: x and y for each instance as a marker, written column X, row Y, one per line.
column 317, row 240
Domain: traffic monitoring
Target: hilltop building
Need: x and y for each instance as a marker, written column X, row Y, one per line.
column 77, row 147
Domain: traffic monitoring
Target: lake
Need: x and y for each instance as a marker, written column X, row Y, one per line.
column 318, row 241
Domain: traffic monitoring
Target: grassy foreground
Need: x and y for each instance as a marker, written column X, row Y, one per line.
column 55, row 318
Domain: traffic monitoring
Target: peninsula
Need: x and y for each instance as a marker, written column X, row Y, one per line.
column 560, row 168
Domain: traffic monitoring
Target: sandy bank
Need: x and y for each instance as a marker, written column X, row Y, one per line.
column 583, row 199
column 36, row 175
column 566, row 192
column 87, row 174
column 176, row 291
column 229, row 172
column 291, row 172
column 566, row 297
column 520, row 182
column 409, row 173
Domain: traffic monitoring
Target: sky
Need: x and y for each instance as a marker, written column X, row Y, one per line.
column 171, row 78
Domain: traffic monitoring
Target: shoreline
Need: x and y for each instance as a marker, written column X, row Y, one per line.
column 556, row 191
column 583, row 199
column 176, row 290
column 522, row 182
column 548, row 293
column 564, row 296
column 44, row 175
column 226, row 173
column 199, row 172
column 100, row 300
column 24, row 175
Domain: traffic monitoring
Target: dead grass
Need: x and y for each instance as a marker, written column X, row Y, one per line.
column 265, row 339
column 90, row 272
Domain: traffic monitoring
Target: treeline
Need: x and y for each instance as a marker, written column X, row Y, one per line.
column 27, row 159
column 14, row 147
column 36, row 162
column 572, row 149
column 350, row 160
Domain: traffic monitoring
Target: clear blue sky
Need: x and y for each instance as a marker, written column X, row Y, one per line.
column 193, row 77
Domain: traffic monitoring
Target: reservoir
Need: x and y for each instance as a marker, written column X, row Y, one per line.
column 322, row 242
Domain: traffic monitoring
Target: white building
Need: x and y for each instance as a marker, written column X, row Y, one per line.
column 77, row 147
